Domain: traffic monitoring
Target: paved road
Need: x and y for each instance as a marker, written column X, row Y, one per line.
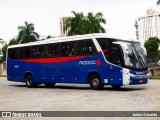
column 73, row 97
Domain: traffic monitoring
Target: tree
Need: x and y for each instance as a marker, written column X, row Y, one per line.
column 2, row 41
column 158, row 2
column 158, row 55
column 13, row 42
column 73, row 25
column 80, row 24
column 49, row 36
column 152, row 45
column 26, row 33
column 94, row 23
column 4, row 48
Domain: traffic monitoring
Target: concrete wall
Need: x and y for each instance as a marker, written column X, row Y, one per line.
column 3, row 69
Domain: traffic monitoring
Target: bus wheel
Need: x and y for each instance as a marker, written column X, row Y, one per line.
column 95, row 82
column 116, row 86
column 49, row 84
column 29, row 81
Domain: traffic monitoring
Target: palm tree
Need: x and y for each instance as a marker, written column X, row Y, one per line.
column 79, row 24
column 94, row 23
column 158, row 2
column 2, row 41
column 73, row 24
column 27, row 34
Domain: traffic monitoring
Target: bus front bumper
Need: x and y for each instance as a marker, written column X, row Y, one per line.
column 140, row 80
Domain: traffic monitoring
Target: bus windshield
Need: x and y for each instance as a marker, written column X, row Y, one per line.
column 135, row 56
column 128, row 54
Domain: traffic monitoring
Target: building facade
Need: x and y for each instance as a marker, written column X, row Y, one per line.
column 148, row 26
column 62, row 24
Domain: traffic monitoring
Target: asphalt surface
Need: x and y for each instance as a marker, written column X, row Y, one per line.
column 16, row 96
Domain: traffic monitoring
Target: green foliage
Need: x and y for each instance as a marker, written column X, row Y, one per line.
column 158, row 55
column 13, row 42
column 152, row 45
column 2, row 41
column 73, row 25
column 79, row 24
column 27, row 34
column 94, row 23
column 158, row 2
column 4, row 48
column 49, row 36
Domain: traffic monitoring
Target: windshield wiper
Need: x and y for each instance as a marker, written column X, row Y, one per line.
column 133, row 57
column 141, row 60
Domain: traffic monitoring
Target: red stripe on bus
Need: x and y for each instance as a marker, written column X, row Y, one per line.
column 49, row 60
column 99, row 52
column 105, row 50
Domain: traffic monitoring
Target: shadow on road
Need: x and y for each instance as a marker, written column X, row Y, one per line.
column 69, row 87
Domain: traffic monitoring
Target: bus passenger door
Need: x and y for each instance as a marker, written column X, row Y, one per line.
column 116, row 60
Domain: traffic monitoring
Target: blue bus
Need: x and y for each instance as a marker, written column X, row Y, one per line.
column 94, row 59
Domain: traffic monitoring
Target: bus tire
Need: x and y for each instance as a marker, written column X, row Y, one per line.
column 116, row 86
column 50, row 85
column 29, row 81
column 95, row 82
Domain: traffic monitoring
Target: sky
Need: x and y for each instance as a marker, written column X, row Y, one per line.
column 45, row 15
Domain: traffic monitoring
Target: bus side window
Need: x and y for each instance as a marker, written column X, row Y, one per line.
column 34, row 51
column 20, row 53
column 27, row 52
column 104, row 43
column 37, row 51
column 16, row 54
column 51, row 50
column 86, row 47
column 68, row 48
column 41, row 51
column 12, row 53
column 115, row 55
column 64, row 48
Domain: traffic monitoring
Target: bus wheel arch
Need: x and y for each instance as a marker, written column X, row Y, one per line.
column 95, row 81
column 29, row 80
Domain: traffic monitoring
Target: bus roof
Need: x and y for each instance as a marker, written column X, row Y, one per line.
column 69, row 38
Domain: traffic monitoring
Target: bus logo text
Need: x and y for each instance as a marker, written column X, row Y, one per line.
column 91, row 62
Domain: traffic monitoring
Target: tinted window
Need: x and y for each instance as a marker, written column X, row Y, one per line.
column 12, row 53
column 68, row 48
column 111, row 51
column 37, row 51
column 86, row 47
column 51, row 50
column 83, row 47
column 116, row 55
column 27, row 52
column 20, row 53
column 105, row 44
